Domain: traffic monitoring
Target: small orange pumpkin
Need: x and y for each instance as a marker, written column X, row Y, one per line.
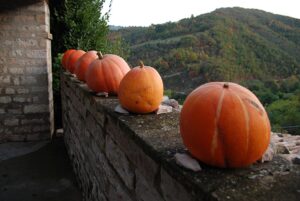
column 83, row 63
column 224, row 125
column 141, row 90
column 105, row 74
column 74, row 56
column 66, row 57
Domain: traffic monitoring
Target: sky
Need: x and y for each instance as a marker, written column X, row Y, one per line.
column 147, row 12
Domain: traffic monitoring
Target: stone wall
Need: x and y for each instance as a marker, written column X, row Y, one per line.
column 131, row 157
column 26, row 108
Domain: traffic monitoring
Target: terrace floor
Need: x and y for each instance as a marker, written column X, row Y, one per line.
column 35, row 171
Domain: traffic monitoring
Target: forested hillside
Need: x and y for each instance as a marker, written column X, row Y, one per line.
column 257, row 49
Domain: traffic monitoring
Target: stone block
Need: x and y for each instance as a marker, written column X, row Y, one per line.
column 10, row 91
column 16, row 70
column 95, row 130
column 95, row 110
column 22, row 91
column 16, row 53
column 120, row 162
column 172, row 190
column 39, row 128
column 22, row 130
column 11, row 122
column 36, row 70
column 32, row 121
column 145, row 191
column 41, row 108
column 40, row 19
column 20, row 99
column 146, row 165
column 28, row 80
column 39, row 89
column 16, row 81
column 5, row 99
column 5, row 79
column 33, row 54
column 15, row 110
column 116, row 193
column 26, row 43
column 3, row 69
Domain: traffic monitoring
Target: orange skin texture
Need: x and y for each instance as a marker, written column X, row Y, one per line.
column 66, row 57
column 72, row 60
column 141, row 90
column 224, row 126
column 105, row 74
column 83, row 63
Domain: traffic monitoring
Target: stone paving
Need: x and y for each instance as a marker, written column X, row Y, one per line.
column 36, row 171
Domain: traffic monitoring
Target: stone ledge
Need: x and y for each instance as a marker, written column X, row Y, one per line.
column 148, row 143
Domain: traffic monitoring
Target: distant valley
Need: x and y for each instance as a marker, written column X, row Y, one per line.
column 257, row 49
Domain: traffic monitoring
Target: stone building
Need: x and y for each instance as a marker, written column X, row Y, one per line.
column 26, row 103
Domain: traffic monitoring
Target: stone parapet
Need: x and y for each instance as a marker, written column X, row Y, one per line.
column 131, row 157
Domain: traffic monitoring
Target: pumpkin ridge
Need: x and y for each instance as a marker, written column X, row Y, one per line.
column 214, row 143
column 226, row 163
column 104, row 70
column 120, row 70
column 247, row 119
column 109, row 65
column 147, row 79
column 152, row 88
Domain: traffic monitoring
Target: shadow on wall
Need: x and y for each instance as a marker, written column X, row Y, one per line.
column 13, row 4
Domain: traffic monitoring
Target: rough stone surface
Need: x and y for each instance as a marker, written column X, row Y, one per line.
column 145, row 191
column 118, row 159
column 131, row 157
column 25, row 69
column 172, row 190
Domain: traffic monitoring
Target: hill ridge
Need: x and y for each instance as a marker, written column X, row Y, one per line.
column 257, row 49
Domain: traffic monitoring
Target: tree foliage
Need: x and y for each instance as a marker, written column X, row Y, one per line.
column 82, row 25
column 76, row 24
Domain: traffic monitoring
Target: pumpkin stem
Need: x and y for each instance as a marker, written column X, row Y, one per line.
column 100, row 55
column 226, row 85
column 141, row 64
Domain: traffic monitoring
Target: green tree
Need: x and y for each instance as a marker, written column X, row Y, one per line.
column 286, row 114
column 78, row 24
column 85, row 25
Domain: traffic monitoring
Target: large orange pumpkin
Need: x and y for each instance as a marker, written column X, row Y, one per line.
column 74, row 56
column 141, row 90
column 66, row 57
column 83, row 63
column 105, row 74
column 224, row 125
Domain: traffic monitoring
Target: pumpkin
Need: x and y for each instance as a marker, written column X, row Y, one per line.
column 224, row 125
column 66, row 57
column 73, row 58
column 83, row 63
column 141, row 90
column 105, row 74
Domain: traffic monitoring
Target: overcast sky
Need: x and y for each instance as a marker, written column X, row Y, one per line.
column 147, row 12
